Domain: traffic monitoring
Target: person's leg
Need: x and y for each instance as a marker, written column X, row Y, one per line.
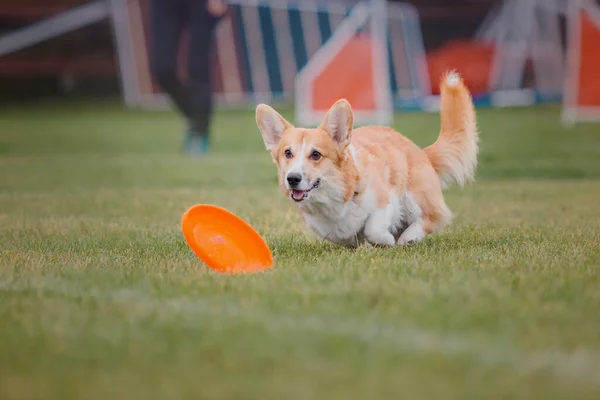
column 202, row 26
column 167, row 20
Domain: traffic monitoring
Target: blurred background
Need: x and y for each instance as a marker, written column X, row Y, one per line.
column 99, row 49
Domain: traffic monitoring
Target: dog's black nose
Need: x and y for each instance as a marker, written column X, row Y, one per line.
column 294, row 179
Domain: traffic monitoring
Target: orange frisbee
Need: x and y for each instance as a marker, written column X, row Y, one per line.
column 223, row 241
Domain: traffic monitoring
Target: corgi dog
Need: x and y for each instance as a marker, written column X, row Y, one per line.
column 371, row 185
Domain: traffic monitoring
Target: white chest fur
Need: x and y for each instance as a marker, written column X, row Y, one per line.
column 344, row 223
column 341, row 223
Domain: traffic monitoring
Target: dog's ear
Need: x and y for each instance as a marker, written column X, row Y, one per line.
column 338, row 122
column 271, row 125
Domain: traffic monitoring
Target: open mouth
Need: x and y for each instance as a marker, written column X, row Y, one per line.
column 299, row 195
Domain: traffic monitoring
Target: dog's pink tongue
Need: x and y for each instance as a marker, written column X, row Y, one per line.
column 297, row 194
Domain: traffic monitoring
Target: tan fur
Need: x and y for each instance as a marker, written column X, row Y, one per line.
column 454, row 154
column 409, row 169
column 373, row 172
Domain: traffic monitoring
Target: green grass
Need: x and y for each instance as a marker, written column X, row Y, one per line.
column 100, row 297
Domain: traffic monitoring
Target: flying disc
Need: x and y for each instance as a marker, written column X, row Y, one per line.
column 223, row 241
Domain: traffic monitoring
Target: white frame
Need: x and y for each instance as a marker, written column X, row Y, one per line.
column 383, row 113
column 75, row 18
column 130, row 87
column 498, row 25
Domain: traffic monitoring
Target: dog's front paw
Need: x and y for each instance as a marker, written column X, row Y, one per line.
column 380, row 239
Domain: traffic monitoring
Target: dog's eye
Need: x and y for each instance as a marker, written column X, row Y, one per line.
column 288, row 153
column 315, row 155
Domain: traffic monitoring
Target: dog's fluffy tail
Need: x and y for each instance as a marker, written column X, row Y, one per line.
column 454, row 154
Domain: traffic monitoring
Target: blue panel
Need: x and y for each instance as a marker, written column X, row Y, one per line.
column 238, row 21
column 270, row 46
column 393, row 83
column 297, row 38
column 324, row 25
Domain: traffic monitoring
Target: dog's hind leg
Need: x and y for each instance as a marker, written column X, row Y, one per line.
column 413, row 234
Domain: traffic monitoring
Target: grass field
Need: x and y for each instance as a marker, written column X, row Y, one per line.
column 100, row 298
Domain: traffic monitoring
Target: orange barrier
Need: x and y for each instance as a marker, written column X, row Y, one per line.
column 470, row 59
column 588, row 80
column 349, row 76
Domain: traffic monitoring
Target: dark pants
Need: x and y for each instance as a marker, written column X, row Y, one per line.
column 168, row 20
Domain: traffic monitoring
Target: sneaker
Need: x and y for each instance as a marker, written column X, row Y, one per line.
column 196, row 145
